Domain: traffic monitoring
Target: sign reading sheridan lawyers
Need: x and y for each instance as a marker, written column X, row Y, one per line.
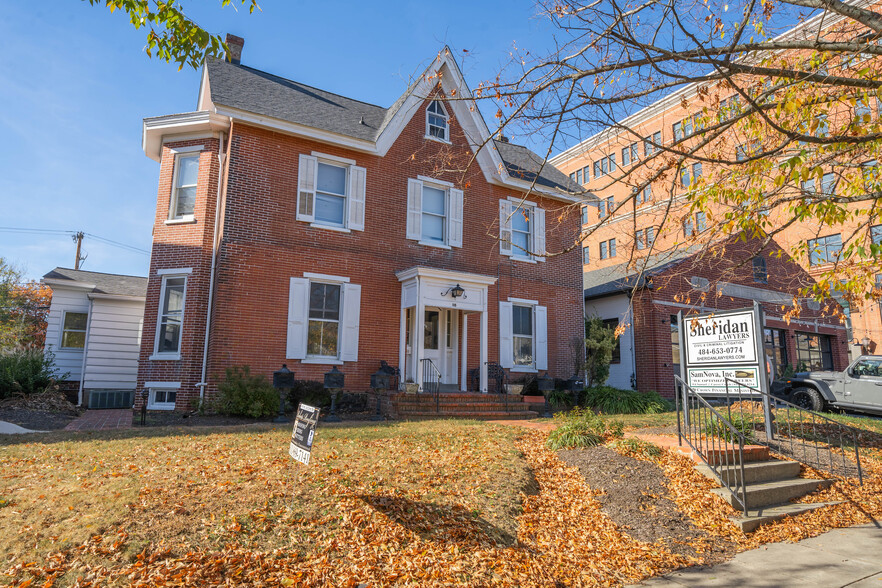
column 725, row 339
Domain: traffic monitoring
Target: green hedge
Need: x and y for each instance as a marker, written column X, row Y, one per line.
column 244, row 394
column 609, row 400
column 27, row 371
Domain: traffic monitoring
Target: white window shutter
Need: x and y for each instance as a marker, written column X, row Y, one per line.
column 307, row 172
column 349, row 328
column 298, row 313
column 539, row 233
column 506, row 345
column 504, row 227
column 541, row 331
column 414, row 209
column 454, row 215
column 356, row 197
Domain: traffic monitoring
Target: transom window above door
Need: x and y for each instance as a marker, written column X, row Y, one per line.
column 436, row 121
column 434, row 212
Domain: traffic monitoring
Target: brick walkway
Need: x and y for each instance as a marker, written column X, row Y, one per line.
column 98, row 420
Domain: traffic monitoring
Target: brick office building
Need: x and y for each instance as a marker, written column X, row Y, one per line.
column 626, row 224
column 297, row 226
column 647, row 302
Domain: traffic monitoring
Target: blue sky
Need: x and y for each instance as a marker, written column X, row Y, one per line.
column 75, row 84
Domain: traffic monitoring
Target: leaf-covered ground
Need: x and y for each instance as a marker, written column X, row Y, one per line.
column 409, row 504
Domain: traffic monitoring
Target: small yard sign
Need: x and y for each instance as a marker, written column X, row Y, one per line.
column 304, row 431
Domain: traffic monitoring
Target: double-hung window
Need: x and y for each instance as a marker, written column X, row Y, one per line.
column 186, row 177
column 578, row 176
column 436, row 121
column 760, row 273
column 73, row 330
column 584, row 215
column 650, row 236
column 323, row 319
column 644, row 195
column 824, row 249
column 652, row 144
column 434, row 212
column 640, row 239
column 331, row 192
column 876, row 234
column 586, row 255
column 586, row 174
column 610, row 205
column 523, row 335
column 522, row 230
column 169, row 324
column 607, row 249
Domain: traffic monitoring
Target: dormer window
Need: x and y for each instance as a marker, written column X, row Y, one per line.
column 436, row 121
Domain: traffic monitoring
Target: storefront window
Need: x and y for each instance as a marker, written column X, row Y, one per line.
column 813, row 352
column 675, row 344
column 775, row 343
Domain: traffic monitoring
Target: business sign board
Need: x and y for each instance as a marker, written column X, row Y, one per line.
column 304, row 432
column 720, row 345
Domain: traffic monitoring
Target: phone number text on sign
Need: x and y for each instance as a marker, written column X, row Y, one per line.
column 714, row 352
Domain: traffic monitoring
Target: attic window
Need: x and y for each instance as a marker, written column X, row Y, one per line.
column 436, row 121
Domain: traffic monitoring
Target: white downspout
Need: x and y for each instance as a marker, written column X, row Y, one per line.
column 221, row 191
column 85, row 354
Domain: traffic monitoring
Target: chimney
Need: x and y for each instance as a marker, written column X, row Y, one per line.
column 501, row 138
column 234, row 48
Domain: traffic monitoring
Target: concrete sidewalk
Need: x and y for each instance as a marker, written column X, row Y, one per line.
column 841, row 557
column 13, row 429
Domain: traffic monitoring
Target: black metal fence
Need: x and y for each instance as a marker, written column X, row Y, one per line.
column 431, row 380
column 799, row 434
column 714, row 439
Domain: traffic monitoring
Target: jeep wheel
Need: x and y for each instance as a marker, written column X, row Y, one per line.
column 807, row 398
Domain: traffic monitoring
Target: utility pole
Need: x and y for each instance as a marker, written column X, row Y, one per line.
column 78, row 238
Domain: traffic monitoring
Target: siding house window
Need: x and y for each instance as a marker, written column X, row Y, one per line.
column 760, row 273
column 73, row 331
column 162, row 398
column 323, row 319
column 436, row 121
column 331, row 192
column 171, row 317
column 183, row 200
column 523, row 335
column 522, row 230
column 824, row 249
column 434, row 213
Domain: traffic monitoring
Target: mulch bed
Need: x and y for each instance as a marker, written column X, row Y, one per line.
column 46, row 411
column 635, row 498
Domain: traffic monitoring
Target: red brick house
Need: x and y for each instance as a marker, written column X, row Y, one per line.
column 298, row 226
column 726, row 276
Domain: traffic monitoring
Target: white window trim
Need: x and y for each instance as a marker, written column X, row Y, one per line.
column 61, row 331
column 168, row 356
column 444, row 187
column 525, row 369
column 335, row 228
column 531, row 304
column 446, row 138
column 334, row 158
column 175, row 271
column 516, row 253
column 181, row 221
column 153, row 387
column 188, row 149
column 436, row 244
column 523, row 301
column 324, row 278
column 326, row 359
column 173, row 200
column 322, row 360
column 347, row 197
column 428, row 180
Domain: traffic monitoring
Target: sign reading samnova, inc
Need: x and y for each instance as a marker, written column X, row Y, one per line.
column 711, row 380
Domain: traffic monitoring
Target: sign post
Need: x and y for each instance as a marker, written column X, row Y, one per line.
column 726, row 344
column 304, row 431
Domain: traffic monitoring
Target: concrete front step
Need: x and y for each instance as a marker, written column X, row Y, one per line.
column 757, row 517
column 462, row 406
column 772, row 493
column 754, row 472
column 481, row 416
column 727, row 455
column 458, row 398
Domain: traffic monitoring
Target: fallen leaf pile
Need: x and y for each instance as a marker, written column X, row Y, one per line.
column 411, row 504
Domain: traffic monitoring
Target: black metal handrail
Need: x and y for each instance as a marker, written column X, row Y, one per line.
column 431, row 380
column 716, row 441
column 798, row 428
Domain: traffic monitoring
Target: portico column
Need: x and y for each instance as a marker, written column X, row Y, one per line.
column 483, row 351
column 402, row 346
column 464, row 375
column 419, row 336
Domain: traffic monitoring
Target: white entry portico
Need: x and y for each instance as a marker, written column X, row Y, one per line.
column 431, row 306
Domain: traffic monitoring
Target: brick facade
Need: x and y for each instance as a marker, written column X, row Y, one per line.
column 262, row 246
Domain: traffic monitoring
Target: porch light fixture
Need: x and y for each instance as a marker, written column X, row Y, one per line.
column 455, row 291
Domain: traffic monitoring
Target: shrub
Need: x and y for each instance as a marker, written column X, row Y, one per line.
column 310, row 392
column 636, row 448
column 582, row 428
column 26, row 371
column 560, row 398
column 744, row 423
column 243, row 394
column 609, row 400
column 599, row 344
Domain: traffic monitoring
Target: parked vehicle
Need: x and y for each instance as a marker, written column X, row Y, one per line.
column 858, row 388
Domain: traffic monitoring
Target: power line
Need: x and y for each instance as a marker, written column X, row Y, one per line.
column 29, row 231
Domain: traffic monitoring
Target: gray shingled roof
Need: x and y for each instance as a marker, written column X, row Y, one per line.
column 114, row 284
column 245, row 88
column 622, row 278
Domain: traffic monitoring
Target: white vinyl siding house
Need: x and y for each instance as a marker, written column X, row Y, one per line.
column 106, row 365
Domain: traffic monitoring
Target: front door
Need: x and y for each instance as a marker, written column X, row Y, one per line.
column 440, row 341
